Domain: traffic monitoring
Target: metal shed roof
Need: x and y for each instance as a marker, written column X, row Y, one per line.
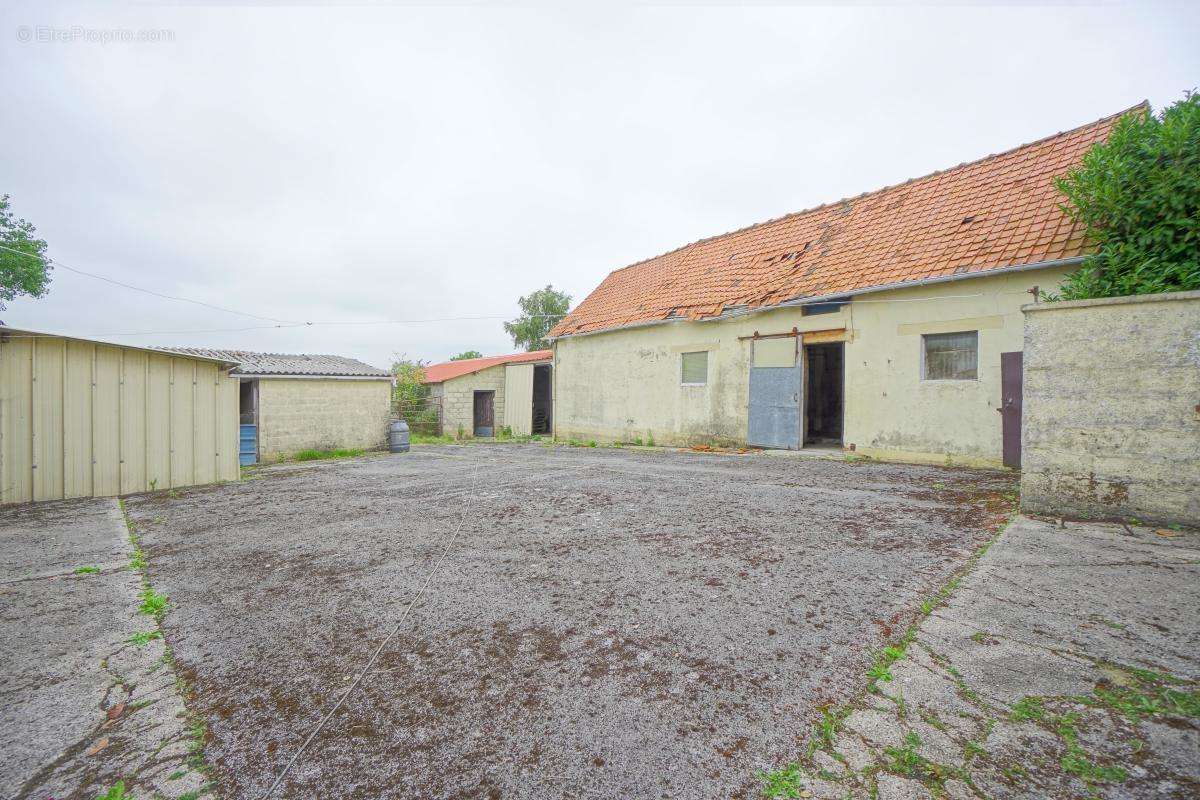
column 287, row 364
column 9, row 331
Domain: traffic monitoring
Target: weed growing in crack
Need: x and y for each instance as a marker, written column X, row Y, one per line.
column 973, row 750
column 826, row 730
column 143, row 638
column 906, row 760
column 881, row 669
column 1028, row 708
column 1151, row 694
column 88, row 570
column 784, row 782
column 1076, row 761
column 115, row 792
column 153, row 603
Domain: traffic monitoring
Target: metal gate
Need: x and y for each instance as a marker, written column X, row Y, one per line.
column 776, row 390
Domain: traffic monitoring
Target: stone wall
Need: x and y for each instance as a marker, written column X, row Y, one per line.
column 321, row 414
column 1111, row 423
column 458, row 400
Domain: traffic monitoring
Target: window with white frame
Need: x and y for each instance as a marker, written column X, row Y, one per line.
column 693, row 368
column 950, row 356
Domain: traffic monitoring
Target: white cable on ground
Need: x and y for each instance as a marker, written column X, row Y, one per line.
column 396, row 629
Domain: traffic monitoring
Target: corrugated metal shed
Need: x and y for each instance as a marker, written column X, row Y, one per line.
column 84, row 418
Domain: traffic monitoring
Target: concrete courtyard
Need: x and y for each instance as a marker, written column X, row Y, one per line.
column 606, row 623
column 602, row 623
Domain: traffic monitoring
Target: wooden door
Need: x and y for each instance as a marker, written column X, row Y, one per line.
column 1011, row 380
column 485, row 423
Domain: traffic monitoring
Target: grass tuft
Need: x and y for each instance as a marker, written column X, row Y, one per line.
column 143, row 638
column 320, row 455
column 89, row 570
column 784, row 782
column 153, row 603
column 115, row 792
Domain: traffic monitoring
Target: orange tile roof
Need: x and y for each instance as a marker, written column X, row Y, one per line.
column 436, row 373
column 1000, row 211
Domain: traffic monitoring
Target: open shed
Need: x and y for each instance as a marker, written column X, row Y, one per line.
column 291, row 402
column 480, row 396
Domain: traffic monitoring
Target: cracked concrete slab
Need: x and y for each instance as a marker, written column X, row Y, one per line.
column 83, row 707
column 1066, row 664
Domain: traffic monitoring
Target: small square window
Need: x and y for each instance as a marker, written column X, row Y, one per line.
column 693, row 368
column 950, row 356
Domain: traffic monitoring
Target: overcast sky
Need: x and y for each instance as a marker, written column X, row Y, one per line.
column 321, row 164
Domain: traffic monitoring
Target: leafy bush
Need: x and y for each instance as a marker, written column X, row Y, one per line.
column 1138, row 195
column 411, row 399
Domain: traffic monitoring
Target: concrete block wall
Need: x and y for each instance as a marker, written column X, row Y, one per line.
column 322, row 414
column 458, row 400
column 1111, row 422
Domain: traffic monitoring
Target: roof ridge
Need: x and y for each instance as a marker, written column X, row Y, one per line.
column 1143, row 104
column 255, row 352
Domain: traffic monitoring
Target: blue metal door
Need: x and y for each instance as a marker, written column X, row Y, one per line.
column 248, row 445
column 775, row 401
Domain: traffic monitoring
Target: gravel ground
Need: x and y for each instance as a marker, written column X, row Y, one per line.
column 607, row 623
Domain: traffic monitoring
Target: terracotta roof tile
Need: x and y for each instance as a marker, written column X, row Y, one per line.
column 1000, row 211
column 436, row 373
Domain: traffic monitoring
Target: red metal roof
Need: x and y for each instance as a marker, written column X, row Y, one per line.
column 436, row 373
column 1000, row 211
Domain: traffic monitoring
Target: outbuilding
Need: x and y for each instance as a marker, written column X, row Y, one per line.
column 514, row 392
column 293, row 402
column 888, row 324
column 85, row 418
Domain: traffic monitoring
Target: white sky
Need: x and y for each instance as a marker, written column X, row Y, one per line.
column 316, row 163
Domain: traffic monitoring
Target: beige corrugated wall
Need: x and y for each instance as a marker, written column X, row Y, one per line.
column 518, row 398
column 83, row 419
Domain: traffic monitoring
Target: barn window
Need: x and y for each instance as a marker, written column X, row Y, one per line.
column 694, row 368
column 820, row 308
column 950, row 356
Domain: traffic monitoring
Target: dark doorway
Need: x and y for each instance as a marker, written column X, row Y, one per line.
column 823, row 393
column 1012, row 368
column 542, row 403
column 485, row 423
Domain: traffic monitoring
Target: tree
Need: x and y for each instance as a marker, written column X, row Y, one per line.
column 1138, row 196
column 465, row 354
column 411, row 393
column 540, row 312
column 26, row 271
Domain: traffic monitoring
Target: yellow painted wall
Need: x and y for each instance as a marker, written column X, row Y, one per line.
column 83, row 419
column 625, row 385
column 321, row 414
